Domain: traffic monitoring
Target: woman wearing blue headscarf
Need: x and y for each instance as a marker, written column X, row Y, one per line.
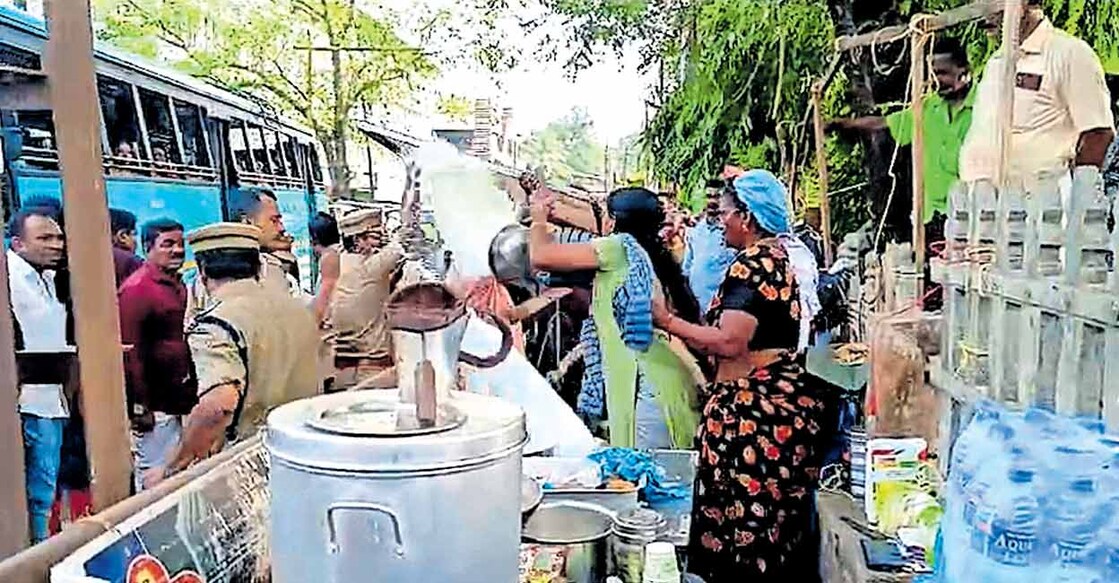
column 758, row 466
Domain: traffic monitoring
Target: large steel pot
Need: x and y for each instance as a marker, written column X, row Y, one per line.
column 362, row 492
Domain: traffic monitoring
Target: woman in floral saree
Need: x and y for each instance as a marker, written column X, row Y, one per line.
column 757, row 437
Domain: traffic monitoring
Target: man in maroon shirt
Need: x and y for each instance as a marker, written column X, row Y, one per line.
column 158, row 372
column 125, row 261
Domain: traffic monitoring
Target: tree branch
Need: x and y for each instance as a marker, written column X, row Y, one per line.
column 283, row 76
column 169, row 36
column 396, row 75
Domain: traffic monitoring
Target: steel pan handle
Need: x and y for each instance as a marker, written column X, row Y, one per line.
column 502, row 351
column 332, row 530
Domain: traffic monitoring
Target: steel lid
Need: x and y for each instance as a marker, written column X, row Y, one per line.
column 641, row 523
column 369, row 431
column 381, row 419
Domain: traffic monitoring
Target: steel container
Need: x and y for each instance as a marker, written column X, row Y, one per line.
column 362, row 492
column 581, row 530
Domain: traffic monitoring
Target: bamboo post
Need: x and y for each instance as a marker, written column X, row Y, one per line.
column 918, row 48
column 73, row 91
column 13, row 500
column 822, row 168
column 1007, row 77
column 931, row 23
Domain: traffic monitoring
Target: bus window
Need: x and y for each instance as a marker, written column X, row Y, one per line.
column 239, row 146
column 37, row 129
column 316, row 167
column 256, row 147
column 161, row 129
column 119, row 112
column 194, row 137
column 290, row 148
column 14, row 56
column 275, row 157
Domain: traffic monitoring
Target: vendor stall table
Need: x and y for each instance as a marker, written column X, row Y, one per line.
column 841, row 550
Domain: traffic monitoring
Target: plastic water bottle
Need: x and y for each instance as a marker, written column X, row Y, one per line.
column 980, row 505
column 1009, row 525
column 969, row 451
column 1106, row 553
column 1093, row 425
column 1072, row 526
column 1106, row 559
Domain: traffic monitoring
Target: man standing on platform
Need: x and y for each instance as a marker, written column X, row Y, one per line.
column 362, row 343
column 1062, row 110
column 123, row 226
column 40, row 319
column 159, row 381
column 253, row 349
column 259, row 208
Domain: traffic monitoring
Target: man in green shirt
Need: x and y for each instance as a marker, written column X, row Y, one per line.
column 947, row 120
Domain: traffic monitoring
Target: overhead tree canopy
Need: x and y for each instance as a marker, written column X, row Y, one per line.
column 271, row 50
column 567, row 147
column 282, row 52
column 735, row 77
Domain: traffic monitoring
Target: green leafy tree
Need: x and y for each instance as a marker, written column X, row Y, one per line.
column 566, row 147
column 455, row 107
column 319, row 60
column 735, row 76
column 627, row 162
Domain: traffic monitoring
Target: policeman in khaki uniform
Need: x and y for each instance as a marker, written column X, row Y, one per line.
column 254, row 349
column 362, row 343
column 259, row 208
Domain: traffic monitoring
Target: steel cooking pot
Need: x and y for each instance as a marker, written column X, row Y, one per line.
column 362, row 492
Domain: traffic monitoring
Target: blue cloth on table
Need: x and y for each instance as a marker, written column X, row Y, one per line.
column 633, row 311
column 638, row 467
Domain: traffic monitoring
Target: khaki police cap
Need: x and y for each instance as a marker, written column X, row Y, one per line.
column 360, row 221
column 224, row 236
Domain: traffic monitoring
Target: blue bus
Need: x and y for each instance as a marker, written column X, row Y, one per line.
column 172, row 145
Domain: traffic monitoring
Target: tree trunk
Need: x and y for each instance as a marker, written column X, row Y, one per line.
column 854, row 17
column 336, row 150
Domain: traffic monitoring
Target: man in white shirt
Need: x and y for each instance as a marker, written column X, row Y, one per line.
column 36, row 250
column 1062, row 112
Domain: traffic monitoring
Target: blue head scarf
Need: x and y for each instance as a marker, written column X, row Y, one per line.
column 764, row 195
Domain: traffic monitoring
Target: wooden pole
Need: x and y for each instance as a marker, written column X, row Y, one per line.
column 822, row 167
column 917, row 72
column 13, row 498
column 73, row 90
column 1007, row 77
column 932, row 23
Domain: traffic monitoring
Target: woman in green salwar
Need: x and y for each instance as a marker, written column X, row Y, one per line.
column 635, row 377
